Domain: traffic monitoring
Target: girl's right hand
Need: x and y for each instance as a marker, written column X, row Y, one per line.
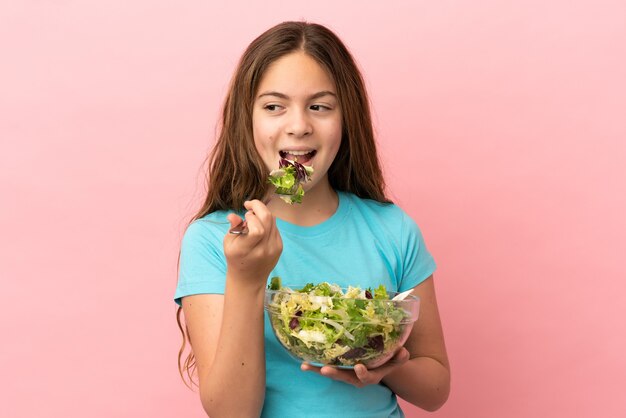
column 253, row 255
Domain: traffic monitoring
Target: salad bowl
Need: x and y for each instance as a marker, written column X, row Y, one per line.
column 325, row 324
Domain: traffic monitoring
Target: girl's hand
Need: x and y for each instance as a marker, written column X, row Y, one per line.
column 253, row 254
column 360, row 376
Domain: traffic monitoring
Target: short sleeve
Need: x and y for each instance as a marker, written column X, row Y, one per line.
column 418, row 263
column 202, row 266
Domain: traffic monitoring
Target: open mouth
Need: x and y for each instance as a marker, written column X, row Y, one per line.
column 302, row 157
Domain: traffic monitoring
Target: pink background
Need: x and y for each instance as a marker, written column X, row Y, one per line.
column 502, row 130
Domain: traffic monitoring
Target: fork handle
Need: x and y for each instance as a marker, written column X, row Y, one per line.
column 239, row 229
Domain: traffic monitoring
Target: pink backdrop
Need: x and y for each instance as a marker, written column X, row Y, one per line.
column 502, row 129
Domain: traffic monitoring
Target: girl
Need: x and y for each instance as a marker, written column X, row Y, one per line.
column 297, row 93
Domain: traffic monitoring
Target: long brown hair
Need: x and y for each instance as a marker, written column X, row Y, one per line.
column 237, row 172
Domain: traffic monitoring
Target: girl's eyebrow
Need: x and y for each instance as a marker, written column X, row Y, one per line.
column 285, row 97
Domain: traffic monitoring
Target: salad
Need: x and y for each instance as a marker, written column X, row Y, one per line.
column 288, row 180
column 323, row 324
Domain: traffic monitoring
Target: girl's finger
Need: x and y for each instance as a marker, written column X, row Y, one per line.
column 266, row 220
column 256, row 228
column 260, row 210
column 346, row 376
column 237, row 224
column 234, row 219
column 361, row 376
column 370, row 376
column 365, row 376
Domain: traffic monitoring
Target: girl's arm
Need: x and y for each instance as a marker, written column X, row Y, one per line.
column 226, row 334
column 226, row 331
column 419, row 372
column 424, row 380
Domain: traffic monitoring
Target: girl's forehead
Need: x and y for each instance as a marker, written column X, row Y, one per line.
column 296, row 73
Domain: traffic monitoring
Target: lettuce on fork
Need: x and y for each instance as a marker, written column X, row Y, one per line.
column 288, row 180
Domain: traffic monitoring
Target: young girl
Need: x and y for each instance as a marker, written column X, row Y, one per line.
column 297, row 93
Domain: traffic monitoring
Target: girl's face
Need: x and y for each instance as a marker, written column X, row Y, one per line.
column 296, row 115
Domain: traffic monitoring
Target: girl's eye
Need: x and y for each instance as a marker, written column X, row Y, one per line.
column 271, row 107
column 319, row 108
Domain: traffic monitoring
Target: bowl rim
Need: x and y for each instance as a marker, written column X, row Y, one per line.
column 411, row 302
column 408, row 298
column 407, row 321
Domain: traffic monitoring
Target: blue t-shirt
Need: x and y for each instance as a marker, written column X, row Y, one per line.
column 364, row 243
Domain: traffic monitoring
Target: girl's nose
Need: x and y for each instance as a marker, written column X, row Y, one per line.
column 299, row 125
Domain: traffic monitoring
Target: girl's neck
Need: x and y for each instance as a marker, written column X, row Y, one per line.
column 318, row 204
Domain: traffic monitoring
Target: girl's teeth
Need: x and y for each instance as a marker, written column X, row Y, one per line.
column 297, row 152
column 301, row 156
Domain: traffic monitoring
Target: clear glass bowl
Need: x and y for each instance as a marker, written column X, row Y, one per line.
column 338, row 331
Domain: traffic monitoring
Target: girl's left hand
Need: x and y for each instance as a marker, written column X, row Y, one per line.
column 361, row 376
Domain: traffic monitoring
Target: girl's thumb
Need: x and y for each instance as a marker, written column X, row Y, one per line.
column 234, row 219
